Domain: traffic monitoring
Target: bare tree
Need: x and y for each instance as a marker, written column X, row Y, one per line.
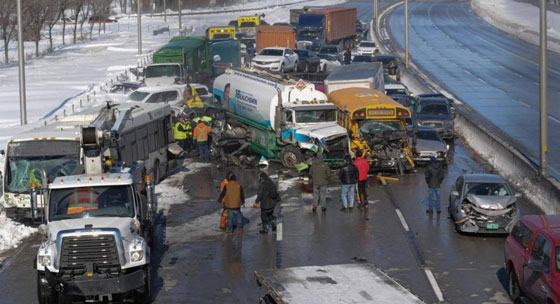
column 7, row 23
column 86, row 10
column 76, row 6
column 57, row 13
column 37, row 12
column 101, row 12
column 63, row 7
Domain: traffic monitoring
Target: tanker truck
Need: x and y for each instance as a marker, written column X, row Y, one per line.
column 283, row 118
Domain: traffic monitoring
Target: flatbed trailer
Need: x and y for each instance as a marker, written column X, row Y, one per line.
column 347, row 283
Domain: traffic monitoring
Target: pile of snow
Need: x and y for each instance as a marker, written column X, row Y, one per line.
column 12, row 233
column 519, row 19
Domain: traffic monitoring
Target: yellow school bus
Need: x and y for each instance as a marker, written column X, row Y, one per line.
column 377, row 126
column 220, row 32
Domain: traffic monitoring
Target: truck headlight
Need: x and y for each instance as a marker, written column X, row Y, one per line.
column 44, row 260
column 137, row 255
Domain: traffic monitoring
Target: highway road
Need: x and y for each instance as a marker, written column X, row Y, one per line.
column 491, row 71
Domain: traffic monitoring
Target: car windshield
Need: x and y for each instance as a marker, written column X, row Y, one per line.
column 271, row 52
column 376, row 126
column 367, row 44
column 492, row 189
column 247, row 24
column 328, row 50
column 428, row 135
column 27, row 160
column 308, row 116
column 396, row 91
column 137, row 96
column 432, row 109
column 83, row 202
column 302, row 54
column 201, row 91
column 163, row 71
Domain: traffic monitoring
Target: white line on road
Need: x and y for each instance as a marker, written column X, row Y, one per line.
column 466, row 71
column 434, row 284
column 482, row 80
column 525, row 104
column 279, row 232
column 501, row 91
column 401, row 218
column 554, row 119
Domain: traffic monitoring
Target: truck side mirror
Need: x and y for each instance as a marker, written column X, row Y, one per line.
column 42, row 229
column 2, row 152
column 217, row 58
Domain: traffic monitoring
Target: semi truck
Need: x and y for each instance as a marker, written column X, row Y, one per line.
column 275, row 36
column 285, row 119
column 335, row 25
column 359, row 75
column 346, row 283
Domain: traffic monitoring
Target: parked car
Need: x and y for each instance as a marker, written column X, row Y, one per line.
column 392, row 88
column 362, row 58
column 427, row 143
column 332, row 49
column 532, row 259
column 169, row 94
column 436, row 112
column 483, row 203
column 276, row 59
column 328, row 62
column 367, row 47
column 407, row 101
column 125, row 87
column 390, row 65
column 308, row 61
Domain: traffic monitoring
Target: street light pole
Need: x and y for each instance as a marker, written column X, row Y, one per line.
column 139, row 11
column 375, row 12
column 21, row 58
column 543, row 97
column 180, row 25
column 406, row 49
column 165, row 10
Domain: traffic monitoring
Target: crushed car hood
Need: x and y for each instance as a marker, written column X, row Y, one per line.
column 491, row 202
column 425, row 145
column 322, row 131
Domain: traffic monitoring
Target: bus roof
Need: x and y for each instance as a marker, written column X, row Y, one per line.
column 352, row 99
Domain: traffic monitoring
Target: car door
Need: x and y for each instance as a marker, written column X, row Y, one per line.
column 535, row 282
column 453, row 199
column 292, row 57
column 155, row 98
column 171, row 97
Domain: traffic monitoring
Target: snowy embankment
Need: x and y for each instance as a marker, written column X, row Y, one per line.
column 72, row 78
column 519, row 19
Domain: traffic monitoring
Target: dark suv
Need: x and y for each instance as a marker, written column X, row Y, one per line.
column 435, row 112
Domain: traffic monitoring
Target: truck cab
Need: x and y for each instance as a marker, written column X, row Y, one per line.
column 164, row 74
column 96, row 241
column 310, row 31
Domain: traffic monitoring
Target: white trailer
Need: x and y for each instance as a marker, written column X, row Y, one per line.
column 349, row 283
column 356, row 75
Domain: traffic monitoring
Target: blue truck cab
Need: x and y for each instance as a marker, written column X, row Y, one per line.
column 310, row 31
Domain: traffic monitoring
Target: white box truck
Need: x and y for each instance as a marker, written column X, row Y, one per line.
column 356, row 75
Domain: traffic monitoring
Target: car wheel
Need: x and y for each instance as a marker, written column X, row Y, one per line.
column 513, row 287
column 295, row 66
column 282, row 69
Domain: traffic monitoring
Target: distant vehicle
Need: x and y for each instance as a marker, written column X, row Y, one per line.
column 233, row 23
column 367, row 47
column 390, row 65
column 276, row 59
column 362, row 58
column 334, row 25
column 282, row 23
column 404, row 99
column 221, row 32
column 308, row 61
column 392, row 88
column 427, row 143
column 98, row 19
column 328, row 62
column 275, row 36
column 483, row 203
column 172, row 95
column 332, row 49
column 436, row 112
column 125, row 87
column 532, row 259
column 364, row 75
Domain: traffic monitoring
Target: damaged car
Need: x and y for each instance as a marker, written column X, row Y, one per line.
column 483, row 203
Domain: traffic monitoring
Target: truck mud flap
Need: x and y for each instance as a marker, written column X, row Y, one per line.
column 97, row 285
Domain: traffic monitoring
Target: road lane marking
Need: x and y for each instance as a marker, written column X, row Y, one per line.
column 466, row 71
column 434, row 284
column 401, row 218
column 501, row 91
column 554, row 119
column 482, row 80
column 525, row 104
column 279, row 232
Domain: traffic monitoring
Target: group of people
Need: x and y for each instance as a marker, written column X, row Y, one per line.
column 188, row 136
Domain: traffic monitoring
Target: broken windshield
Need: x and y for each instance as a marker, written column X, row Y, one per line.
column 312, row 116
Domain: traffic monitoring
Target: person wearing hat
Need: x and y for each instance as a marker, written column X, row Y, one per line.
column 434, row 176
column 181, row 132
column 201, row 132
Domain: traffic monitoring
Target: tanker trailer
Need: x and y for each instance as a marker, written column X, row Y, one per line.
column 285, row 119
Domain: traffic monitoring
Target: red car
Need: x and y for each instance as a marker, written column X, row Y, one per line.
column 532, row 259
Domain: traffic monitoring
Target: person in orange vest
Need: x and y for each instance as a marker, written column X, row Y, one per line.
column 200, row 135
column 233, row 198
column 223, row 218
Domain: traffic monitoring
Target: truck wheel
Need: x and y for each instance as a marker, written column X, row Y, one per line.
column 45, row 297
column 513, row 287
column 291, row 156
column 145, row 295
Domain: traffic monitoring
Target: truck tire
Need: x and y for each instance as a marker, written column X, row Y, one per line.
column 513, row 287
column 145, row 295
column 291, row 156
column 45, row 297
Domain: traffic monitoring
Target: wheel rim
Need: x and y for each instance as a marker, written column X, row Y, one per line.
column 290, row 159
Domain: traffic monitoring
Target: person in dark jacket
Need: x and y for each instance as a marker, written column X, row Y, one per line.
column 267, row 197
column 434, row 176
column 319, row 173
column 349, row 177
column 347, row 57
column 233, row 198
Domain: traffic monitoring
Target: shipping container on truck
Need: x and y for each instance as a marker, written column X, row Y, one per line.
column 275, row 36
column 340, row 23
column 336, row 25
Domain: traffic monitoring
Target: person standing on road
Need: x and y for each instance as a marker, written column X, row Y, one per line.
column 180, row 133
column 223, row 217
column 201, row 132
column 267, row 197
column 434, row 176
column 233, row 198
column 363, row 167
column 347, row 57
column 349, row 177
column 319, row 173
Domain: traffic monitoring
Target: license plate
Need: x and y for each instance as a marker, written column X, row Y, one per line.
column 492, row 226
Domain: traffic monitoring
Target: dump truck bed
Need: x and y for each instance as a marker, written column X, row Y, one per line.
column 350, row 283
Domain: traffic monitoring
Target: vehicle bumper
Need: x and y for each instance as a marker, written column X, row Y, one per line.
column 473, row 226
column 426, row 156
column 275, row 66
column 96, row 285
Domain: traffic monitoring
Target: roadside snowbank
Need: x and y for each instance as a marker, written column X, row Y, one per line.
column 12, row 233
column 519, row 19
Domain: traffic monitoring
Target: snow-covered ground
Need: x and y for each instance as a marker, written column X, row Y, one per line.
column 519, row 19
column 57, row 81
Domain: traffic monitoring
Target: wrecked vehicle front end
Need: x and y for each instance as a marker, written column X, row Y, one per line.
column 488, row 214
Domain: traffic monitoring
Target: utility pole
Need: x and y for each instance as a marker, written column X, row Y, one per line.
column 375, row 13
column 406, row 49
column 180, row 25
column 139, row 11
column 165, row 10
column 21, row 58
column 543, row 97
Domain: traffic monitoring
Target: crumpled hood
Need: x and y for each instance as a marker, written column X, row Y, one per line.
column 491, row 202
column 424, row 145
column 267, row 58
column 121, row 223
column 322, row 131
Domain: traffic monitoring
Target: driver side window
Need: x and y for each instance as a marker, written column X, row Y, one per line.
column 288, row 117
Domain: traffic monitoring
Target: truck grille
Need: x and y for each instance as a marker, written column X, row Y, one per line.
column 338, row 147
column 433, row 124
column 79, row 252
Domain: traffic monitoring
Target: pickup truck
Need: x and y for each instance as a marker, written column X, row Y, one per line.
column 531, row 259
